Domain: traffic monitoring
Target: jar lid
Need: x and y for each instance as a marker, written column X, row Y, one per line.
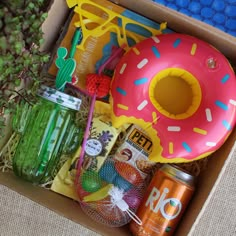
column 58, row 97
column 179, row 174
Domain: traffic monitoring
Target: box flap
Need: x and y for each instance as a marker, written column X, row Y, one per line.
column 52, row 26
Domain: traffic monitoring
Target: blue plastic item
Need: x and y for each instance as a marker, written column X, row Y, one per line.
column 218, row 13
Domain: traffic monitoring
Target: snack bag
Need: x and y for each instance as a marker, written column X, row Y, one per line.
column 135, row 151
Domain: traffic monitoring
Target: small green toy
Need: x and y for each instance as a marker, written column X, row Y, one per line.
column 66, row 68
column 91, row 181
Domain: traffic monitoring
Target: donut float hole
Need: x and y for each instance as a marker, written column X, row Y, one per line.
column 175, row 99
column 175, row 93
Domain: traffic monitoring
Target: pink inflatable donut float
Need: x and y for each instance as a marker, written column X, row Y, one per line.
column 179, row 89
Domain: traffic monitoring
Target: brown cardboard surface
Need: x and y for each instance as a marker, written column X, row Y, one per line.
column 57, row 203
column 180, row 23
column 54, row 23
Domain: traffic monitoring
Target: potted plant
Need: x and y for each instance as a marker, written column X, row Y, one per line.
column 20, row 58
column 21, row 62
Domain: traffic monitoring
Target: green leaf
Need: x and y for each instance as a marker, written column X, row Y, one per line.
column 17, row 82
column 3, row 43
column 173, row 203
column 44, row 16
column 31, row 5
column 7, row 111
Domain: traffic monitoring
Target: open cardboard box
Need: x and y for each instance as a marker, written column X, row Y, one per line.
column 58, row 14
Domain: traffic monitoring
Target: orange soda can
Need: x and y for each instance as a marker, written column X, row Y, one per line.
column 163, row 204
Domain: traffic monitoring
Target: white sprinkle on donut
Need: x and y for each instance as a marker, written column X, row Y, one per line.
column 210, row 144
column 142, row 105
column 122, row 69
column 142, row 63
column 174, row 128
column 233, row 102
column 155, row 39
column 208, row 114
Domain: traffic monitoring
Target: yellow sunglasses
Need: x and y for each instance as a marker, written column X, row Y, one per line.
column 108, row 21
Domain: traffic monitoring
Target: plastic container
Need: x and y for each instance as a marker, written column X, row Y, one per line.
column 48, row 130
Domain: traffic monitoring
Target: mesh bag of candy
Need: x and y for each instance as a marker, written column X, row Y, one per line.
column 111, row 195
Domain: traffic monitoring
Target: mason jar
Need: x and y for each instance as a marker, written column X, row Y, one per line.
column 47, row 131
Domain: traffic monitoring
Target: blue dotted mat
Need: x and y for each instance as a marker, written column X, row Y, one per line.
column 218, row 13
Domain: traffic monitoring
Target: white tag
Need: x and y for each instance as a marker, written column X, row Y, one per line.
column 93, row 147
column 122, row 205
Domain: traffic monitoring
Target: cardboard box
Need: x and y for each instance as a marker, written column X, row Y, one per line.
column 66, row 207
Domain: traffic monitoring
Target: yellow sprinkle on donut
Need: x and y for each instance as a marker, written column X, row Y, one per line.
column 136, row 51
column 200, row 131
column 171, row 147
column 122, row 69
column 194, row 49
column 123, row 107
column 154, row 117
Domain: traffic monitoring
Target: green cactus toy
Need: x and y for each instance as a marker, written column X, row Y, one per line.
column 66, row 68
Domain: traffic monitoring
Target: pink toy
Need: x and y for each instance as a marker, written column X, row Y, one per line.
column 179, row 89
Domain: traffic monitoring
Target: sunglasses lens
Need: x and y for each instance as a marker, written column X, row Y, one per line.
column 137, row 29
column 98, row 12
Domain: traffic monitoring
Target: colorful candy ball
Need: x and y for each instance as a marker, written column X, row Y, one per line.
column 108, row 172
column 133, row 198
column 122, row 183
column 129, row 173
column 91, row 181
